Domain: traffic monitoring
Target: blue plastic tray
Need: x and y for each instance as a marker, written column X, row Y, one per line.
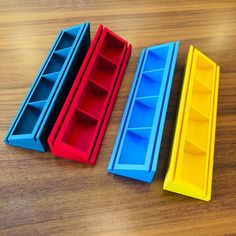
column 137, row 146
column 39, row 110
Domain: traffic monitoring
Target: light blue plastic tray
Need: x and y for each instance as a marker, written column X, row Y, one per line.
column 39, row 110
column 136, row 150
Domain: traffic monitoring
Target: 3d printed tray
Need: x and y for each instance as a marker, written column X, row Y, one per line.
column 191, row 163
column 80, row 127
column 137, row 146
column 38, row 112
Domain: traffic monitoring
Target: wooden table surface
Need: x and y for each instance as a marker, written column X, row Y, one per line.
column 43, row 195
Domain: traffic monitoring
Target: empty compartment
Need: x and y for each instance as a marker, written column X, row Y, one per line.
column 202, row 102
column 198, row 133
column 112, row 48
column 29, row 118
column 56, row 62
column 74, row 31
column 80, row 131
column 193, row 148
column 143, row 113
column 193, row 169
column 197, row 115
column 92, row 99
column 156, row 58
column 103, row 72
column 200, row 87
column 135, row 147
column 43, row 88
column 150, row 83
column 205, row 70
column 66, row 41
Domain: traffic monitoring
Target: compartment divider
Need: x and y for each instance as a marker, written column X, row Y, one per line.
column 100, row 86
column 63, row 52
column 107, row 59
column 87, row 113
column 197, row 115
column 140, row 128
column 52, row 77
column 154, row 70
column 193, row 147
column 38, row 104
column 207, row 88
column 146, row 97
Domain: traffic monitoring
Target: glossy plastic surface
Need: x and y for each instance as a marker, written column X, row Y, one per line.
column 38, row 112
column 137, row 146
column 80, row 127
column 191, row 162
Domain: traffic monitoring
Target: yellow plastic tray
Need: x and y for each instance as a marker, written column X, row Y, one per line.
column 191, row 162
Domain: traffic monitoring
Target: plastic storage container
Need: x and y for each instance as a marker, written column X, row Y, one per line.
column 191, row 162
column 38, row 112
column 137, row 146
column 80, row 127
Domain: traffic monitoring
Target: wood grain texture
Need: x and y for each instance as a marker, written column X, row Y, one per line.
column 42, row 195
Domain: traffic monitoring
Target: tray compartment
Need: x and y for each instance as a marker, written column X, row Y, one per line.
column 103, row 72
column 44, row 88
column 156, row 58
column 92, row 99
column 80, row 130
column 150, row 83
column 135, row 147
column 112, row 48
column 29, row 118
column 143, row 113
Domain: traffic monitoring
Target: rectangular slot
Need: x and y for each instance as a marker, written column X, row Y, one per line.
column 66, row 41
column 193, row 169
column 200, row 87
column 156, row 58
column 202, row 102
column 80, row 131
column 196, row 115
column 135, row 147
column 92, row 99
column 44, row 87
column 55, row 64
column 143, row 113
column 150, row 83
column 205, row 70
column 112, row 48
column 29, row 118
column 103, row 72
column 197, row 133
column 193, row 148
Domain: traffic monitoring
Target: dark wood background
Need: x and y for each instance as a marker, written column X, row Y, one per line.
column 42, row 195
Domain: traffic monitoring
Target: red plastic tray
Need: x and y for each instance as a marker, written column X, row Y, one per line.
column 81, row 124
